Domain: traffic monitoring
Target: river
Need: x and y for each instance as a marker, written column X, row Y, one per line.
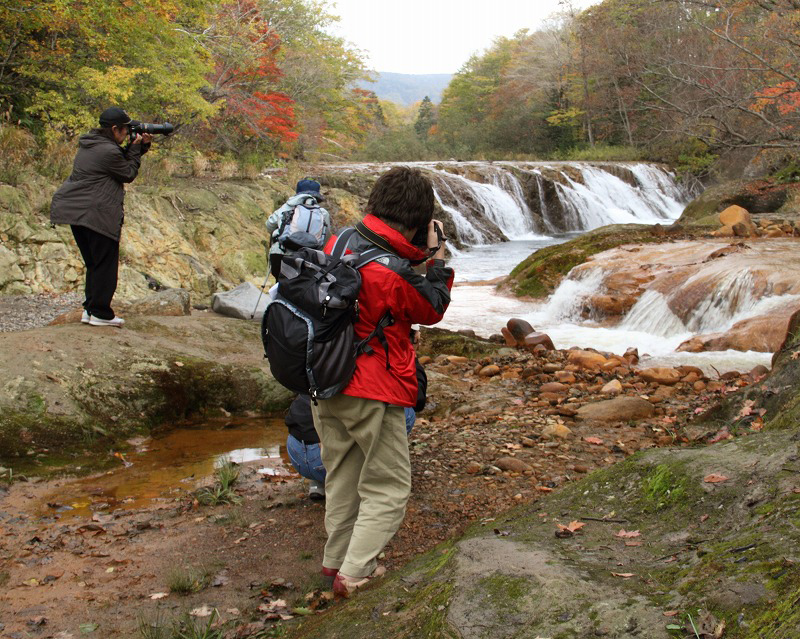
column 480, row 308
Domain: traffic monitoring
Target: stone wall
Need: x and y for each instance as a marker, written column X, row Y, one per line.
column 200, row 235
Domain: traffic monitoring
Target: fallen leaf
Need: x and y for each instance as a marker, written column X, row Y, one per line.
column 624, row 575
column 720, row 436
column 159, row 595
column 796, row 490
column 88, row 628
column 699, row 410
column 202, row 611
column 593, row 440
column 178, row 364
column 703, row 518
column 714, row 478
column 633, row 543
column 627, row 534
column 671, row 613
column 501, row 533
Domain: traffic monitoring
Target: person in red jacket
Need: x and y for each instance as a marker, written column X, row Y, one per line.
column 362, row 430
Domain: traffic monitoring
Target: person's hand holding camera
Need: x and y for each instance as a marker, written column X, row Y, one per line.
column 436, row 239
column 143, row 138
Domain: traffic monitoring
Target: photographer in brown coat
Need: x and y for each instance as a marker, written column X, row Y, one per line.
column 91, row 202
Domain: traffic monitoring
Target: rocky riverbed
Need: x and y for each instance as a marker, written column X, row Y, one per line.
column 507, row 424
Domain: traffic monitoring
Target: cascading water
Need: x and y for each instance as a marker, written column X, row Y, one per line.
column 514, row 200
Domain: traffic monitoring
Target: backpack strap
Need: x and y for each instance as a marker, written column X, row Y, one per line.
column 364, row 347
column 340, row 246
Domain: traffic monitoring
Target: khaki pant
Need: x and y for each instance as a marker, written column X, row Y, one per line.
column 365, row 452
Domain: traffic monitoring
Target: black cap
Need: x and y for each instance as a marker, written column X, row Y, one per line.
column 114, row 116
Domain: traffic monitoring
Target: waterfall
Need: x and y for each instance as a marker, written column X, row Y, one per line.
column 489, row 202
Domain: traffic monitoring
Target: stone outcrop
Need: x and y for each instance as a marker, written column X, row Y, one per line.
column 243, row 302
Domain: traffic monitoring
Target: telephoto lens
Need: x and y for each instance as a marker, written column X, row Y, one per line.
column 154, row 129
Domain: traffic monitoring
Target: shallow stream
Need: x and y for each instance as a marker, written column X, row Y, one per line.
column 170, row 465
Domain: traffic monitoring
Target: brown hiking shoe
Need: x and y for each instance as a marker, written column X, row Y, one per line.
column 344, row 586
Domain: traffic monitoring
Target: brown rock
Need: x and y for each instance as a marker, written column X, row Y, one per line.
column 425, row 359
column 614, row 387
column 691, row 378
column 509, row 338
column 519, row 328
column 551, row 367
column 512, row 464
column 489, row 371
column 473, row 468
column 553, row 387
column 528, row 442
column 586, row 359
column 725, row 231
column 660, row 375
column 735, row 215
column 758, row 372
column 744, row 230
column 558, row 431
column 617, row 409
column 70, row 317
column 691, row 345
column 457, row 359
column 685, row 370
column 631, row 356
column 532, row 340
column 565, row 377
column 699, row 386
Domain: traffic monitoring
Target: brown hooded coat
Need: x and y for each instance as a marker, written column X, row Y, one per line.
column 93, row 195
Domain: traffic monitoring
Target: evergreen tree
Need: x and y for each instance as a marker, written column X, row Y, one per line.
column 426, row 118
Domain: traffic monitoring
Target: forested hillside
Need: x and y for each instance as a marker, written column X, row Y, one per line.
column 258, row 81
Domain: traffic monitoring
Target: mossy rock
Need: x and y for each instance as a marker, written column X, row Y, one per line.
column 728, row 549
column 438, row 341
column 760, row 196
column 540, row 274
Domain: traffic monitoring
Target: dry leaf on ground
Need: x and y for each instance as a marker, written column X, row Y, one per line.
column 714, row 478
column 627, row 534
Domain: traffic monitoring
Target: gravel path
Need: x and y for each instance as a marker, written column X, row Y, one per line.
column 23, row 312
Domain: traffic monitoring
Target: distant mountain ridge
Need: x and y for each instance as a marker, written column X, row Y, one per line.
column 407, row 88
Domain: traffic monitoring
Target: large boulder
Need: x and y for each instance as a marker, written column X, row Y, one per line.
column 243, row 302
column 619, row 409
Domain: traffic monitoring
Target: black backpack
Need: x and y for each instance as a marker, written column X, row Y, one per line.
column 307, row 330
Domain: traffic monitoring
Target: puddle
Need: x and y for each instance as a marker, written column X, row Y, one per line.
column 171, row 465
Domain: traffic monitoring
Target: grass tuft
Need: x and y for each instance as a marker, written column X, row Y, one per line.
column 222, row 492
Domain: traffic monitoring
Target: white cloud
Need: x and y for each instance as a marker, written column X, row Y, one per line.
column 434, row 36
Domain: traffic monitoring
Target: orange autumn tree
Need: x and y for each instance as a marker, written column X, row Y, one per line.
column 246, row 45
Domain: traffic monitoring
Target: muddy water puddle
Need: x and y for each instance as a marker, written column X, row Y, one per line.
column 169, row 466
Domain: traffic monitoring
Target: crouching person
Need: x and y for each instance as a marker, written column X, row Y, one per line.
column 363, row 429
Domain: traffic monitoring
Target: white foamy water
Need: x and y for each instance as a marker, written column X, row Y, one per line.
column 482, row 309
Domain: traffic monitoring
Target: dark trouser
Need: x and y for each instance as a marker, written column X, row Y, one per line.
column 101, row 256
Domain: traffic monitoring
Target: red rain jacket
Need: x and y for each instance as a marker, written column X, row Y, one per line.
column 390, row 283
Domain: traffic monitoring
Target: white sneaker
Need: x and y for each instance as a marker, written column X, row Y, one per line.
column 316, row 491
column 85, row 317
column 96, row 321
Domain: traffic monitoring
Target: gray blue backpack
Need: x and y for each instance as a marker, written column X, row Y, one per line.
column 303, row 225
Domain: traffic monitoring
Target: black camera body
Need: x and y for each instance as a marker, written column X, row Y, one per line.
column 420, row 239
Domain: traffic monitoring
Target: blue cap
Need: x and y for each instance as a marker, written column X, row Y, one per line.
column 307, row 186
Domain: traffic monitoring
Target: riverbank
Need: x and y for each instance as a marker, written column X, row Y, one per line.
column 503, row 427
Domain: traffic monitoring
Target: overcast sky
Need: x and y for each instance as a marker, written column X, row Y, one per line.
column 434, row 36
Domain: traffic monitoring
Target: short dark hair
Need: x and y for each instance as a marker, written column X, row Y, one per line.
column 403, row 196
